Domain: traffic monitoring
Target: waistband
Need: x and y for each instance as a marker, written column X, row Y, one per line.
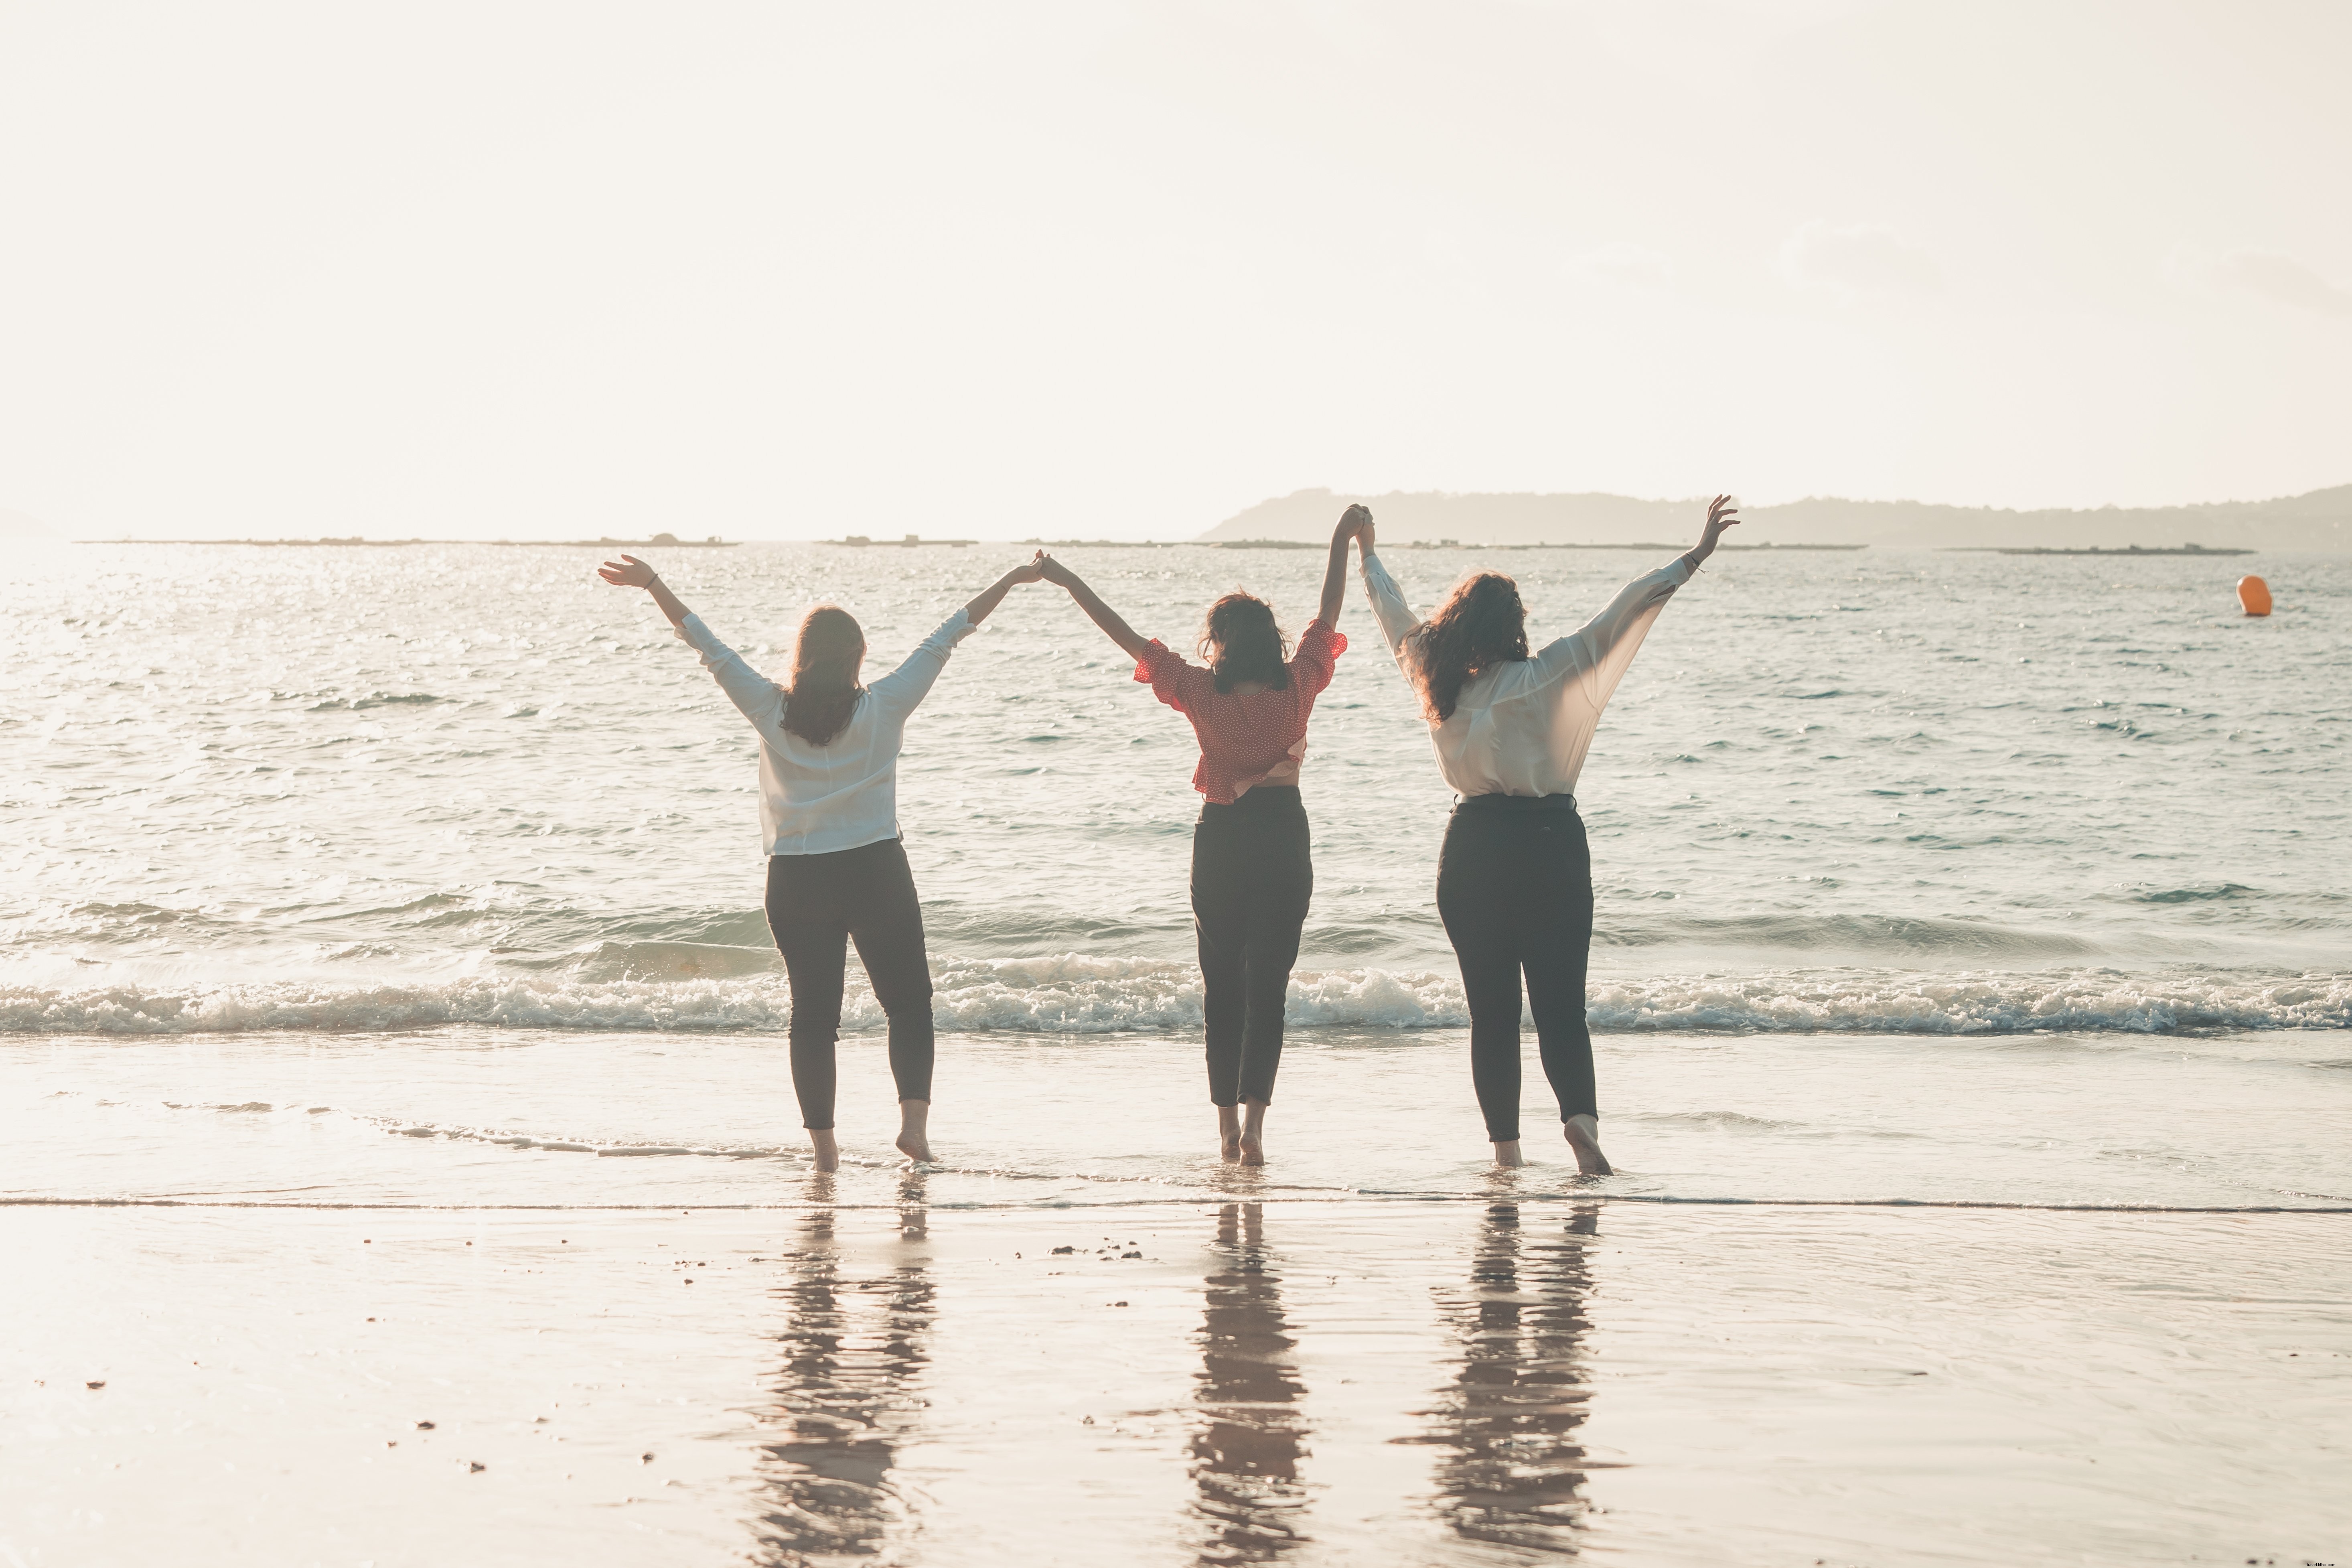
column 1284, row 798
column 870, row 847
column 1515, row 803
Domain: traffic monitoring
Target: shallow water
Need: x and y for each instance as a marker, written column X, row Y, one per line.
column 507, row 1117
column 331, row 788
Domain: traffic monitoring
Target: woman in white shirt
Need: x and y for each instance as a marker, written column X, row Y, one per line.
column 829, row 817
column 1514, row 878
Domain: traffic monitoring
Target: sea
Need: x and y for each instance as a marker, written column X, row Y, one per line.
column 434, row 870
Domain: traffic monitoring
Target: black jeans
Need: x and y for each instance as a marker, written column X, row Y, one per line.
column 816, row 905
column 1253, row 874
column 1514, row 890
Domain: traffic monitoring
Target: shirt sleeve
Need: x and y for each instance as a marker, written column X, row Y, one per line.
column 1606, row 644
column 1319, row 647
column 1395, row 616
column 905, row 687
column 1173, row 678
column 753, row 693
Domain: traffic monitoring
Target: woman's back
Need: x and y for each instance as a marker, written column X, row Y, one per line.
column 816, row 799
column 1247, row 737
column 1524, row 725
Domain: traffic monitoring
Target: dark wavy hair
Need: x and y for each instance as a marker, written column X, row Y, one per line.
column 1481, row 624
column 1241, row 642
column 824, row 692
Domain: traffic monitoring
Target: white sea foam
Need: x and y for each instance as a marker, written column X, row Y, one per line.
column 1075, row 994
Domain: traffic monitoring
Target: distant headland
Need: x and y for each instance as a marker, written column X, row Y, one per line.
column 2321, row 519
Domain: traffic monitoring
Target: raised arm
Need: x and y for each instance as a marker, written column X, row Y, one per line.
column 1335, row 572
column 629, row 572
column 1720, row 514
column 1395, row 616
column 753, row 694
column 988, row 598
column 907, row 685
column 1102, row 615
column 1618, row 629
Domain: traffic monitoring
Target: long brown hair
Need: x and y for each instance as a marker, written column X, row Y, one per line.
column 824, row 691
column 1480, row 625
column 1241, row 642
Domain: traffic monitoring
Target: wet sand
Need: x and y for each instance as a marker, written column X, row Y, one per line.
column 1486, row 1380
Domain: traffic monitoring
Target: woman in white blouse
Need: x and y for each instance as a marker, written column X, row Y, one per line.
column 829, row 817
column 1514, row 878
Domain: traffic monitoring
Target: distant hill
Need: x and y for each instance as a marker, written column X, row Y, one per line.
column 2319, row 521
column 15, row 528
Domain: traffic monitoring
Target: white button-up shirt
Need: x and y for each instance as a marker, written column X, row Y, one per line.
column 814, row 800
column 1523, row 727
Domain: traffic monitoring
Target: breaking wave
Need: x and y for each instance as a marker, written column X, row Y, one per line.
column 1073, row 994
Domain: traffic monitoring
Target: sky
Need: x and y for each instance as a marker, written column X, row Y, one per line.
column 1114, row 270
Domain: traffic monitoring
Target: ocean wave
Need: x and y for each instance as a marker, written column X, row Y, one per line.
column 2206, row 894
column 1075, row 994
column 519, row 930
column 1913, row 935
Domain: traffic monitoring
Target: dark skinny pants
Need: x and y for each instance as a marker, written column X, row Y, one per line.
column 817, row 904
column 1253, row 874
column 1514, row 890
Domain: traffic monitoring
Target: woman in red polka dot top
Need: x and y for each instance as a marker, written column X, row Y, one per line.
column 1252, row 870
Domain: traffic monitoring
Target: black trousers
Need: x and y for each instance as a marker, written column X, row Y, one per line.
column 1253, row 874
column 1514, row 890
column 817, row 904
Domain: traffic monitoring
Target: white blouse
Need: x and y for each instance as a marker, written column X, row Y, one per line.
column 1523, row 727
column 814, row 800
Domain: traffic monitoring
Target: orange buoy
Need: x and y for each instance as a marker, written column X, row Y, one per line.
column 2255, row 595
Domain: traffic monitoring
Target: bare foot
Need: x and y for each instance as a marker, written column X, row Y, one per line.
column 1583, row 1134
column 1253, row 1134
column 1229, row 1132
column 1507, row 1155
column 914, row 1131
column 828, row 1155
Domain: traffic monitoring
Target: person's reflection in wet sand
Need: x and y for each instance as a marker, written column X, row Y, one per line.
column 1249, row 1439
column 1515, row 1472
column 854, row 1350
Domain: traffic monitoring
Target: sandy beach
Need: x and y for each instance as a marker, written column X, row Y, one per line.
column 1487, row 1381
column 677, row 1345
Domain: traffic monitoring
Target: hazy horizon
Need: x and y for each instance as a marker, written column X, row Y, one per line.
column 1491, row 517
column 1117, row 271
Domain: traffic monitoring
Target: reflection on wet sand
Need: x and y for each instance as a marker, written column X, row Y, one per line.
column 1249, row 1439
column 847, row 1399
column 1514, row 1470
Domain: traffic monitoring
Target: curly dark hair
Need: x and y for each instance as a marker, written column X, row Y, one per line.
column 824, row 689
column 1481, row 624
column 1241, row 642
